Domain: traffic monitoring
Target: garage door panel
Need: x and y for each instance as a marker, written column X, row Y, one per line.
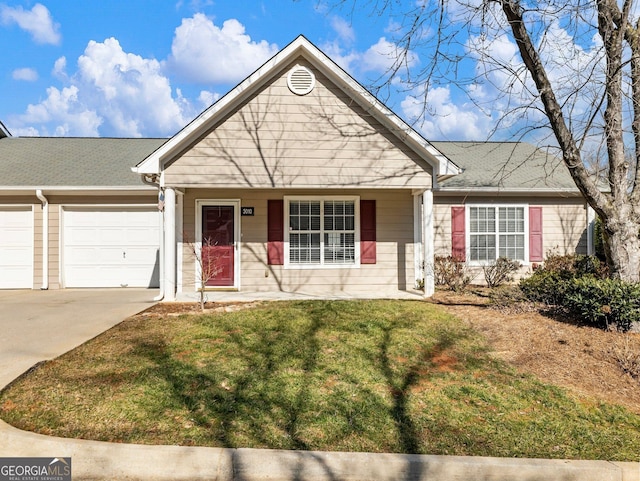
column 111, row 247
column 16, row 247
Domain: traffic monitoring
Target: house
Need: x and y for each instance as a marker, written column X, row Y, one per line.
column 298, row 180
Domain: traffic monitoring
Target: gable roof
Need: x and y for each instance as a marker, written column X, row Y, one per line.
column 506, row 166
column 299, row 47
column 57, row 162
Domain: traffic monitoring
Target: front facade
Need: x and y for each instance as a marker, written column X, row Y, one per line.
column 297, row 181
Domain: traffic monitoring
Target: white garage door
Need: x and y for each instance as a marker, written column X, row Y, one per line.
column 111, row 247
column 16, row 247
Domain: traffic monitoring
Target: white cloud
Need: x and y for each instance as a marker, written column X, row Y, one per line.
column 60, row 68
column 205, row 53
column 26, row 74
column 384, row 55
column 37, row 21
column 128, row 90
column 207, row 98
column 112, row 93
column 61, row 114
column 442, row 118
column 344, row 29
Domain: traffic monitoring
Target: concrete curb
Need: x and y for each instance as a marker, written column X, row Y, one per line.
column 94, row 460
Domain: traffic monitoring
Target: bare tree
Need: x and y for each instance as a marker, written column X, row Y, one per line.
column 575, row 74
column 207, row 263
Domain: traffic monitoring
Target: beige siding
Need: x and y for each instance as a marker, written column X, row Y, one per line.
column 564, row 228
column 395, row 250
column 279, row 139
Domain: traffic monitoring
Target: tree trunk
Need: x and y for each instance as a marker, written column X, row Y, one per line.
column 623, row 249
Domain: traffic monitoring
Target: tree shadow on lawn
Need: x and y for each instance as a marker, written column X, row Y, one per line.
column 276, row 392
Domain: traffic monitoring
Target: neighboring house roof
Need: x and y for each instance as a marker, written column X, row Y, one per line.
column 57, row 162
column 504, row 166
column 202, row 124
column 4, row 132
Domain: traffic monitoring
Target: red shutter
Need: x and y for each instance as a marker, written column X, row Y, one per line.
column 535, row 234
column 275, row 232
column 458, row 235
column 367, row 231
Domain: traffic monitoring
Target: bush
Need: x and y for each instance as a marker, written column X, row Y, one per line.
column 510, row 300
column 451, row 272
column 579, row 284
column 545, row 286
column 608, row 303
column 549, row 283
column 500, row 272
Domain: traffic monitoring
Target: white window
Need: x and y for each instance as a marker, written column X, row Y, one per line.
column 497, row 231
column 321, row 231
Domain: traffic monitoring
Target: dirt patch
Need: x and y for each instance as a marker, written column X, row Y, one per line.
column 557, row 351
column 180, row 308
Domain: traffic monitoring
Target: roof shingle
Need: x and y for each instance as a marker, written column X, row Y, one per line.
column 72, row 162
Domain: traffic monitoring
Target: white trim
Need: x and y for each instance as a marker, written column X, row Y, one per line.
column 154, row 163
column 467, row 220
column 591, row 226
column 236, row 203
column 88, row 207
column 26, row 208
column 322, row 198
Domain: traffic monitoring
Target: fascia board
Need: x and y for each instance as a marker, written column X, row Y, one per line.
column 512, row 191
column 154, row 163
column 402, row 130
column 442, row 165
column 72, row 190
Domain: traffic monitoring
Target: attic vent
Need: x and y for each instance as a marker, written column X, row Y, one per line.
column 301, row 80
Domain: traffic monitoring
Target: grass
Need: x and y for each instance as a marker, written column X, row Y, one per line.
column 375, row 376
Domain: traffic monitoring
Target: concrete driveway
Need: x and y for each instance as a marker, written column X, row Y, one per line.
column 40, row 325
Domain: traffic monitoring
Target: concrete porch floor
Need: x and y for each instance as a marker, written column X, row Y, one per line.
column 249, row 296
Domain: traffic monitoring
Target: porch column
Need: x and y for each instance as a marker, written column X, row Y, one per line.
column 428, row 246
column 418, row 259
column 169, row 244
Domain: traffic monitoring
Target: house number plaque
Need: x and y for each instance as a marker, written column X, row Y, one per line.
column 247, row 210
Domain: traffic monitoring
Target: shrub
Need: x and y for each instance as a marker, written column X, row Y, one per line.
column 626, row 357
column 451, row 272
column 510, row 300
column 548, row 284
column 609, row 303
column 500, row 272
column 545, row 286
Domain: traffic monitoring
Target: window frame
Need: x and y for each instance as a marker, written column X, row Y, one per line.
column 468, row 233
column 322, row 198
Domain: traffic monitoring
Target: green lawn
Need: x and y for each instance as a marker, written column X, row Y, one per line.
column 377, row 376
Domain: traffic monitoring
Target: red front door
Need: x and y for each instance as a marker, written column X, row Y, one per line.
column 218, row 245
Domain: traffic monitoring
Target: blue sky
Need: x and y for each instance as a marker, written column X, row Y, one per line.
column 146, row 67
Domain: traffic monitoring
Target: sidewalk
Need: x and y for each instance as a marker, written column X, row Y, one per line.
column 92, row 460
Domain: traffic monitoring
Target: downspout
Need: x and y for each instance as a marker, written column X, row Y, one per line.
column 45, row 239
column 153, row 181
